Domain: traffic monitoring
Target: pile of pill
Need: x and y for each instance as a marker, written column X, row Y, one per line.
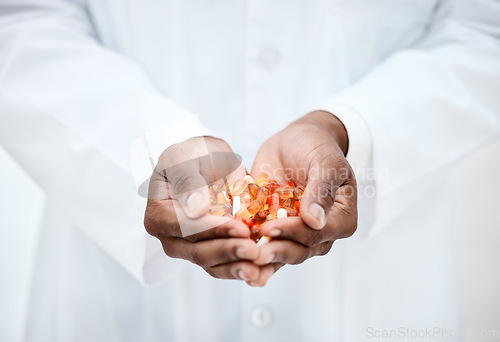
column 255, row 201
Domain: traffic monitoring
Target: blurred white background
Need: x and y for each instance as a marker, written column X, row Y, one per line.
column 21, row 209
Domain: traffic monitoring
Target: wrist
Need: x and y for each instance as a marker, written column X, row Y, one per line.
column 329, row 122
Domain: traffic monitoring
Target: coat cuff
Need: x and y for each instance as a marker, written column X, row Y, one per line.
column 360, row 157
column 360, row 141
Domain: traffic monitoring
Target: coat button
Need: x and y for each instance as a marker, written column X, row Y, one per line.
column 268, row 57
column 261, row 317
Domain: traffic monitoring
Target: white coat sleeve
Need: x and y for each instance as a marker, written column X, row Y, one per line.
column 70, row 110
column 423, row 109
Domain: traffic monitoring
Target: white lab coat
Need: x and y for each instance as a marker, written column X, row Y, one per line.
column 82, row 83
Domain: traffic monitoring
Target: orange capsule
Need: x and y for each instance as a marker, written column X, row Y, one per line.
column 290, row 184
column 270, row 218
column 255, row 233
column 252, row 189
column 249, row 179
column 262, row 179
column 262, row 194
column 298, row 192
column 259, row 218
column 288, row 203
column 272, row 186
column 284, row 192
column 273, row 210
column 297, row 207
column 291, row 212
column 245, row 198
column 275, row 200
column 249, row 222
column 238, row 187
column 255, row 206
column 220, row 209
column 222, row 198
column 213, row 190
column 247, row 211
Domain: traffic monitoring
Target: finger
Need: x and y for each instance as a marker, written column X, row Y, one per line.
column 231, row 228
column 265, row 274
column 295, row 229
column 289, row 252
column 328, row 171
column 210, row 253
column 162, row 219
column 242, row 270
column 180, row 166
column 189, row 187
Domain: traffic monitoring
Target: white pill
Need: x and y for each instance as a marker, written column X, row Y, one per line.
column 263, row 240
column 236, row 204
column 281, row 213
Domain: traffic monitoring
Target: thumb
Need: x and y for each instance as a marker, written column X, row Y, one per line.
column 328, row 171
column 189, row 187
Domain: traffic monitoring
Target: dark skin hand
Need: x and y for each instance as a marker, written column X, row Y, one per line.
column 310, row 152
column 177, row 211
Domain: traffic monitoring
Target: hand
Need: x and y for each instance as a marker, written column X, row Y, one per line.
column 310, row 152
column 177, row 210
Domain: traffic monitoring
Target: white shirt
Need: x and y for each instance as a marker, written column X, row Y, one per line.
column 415, row 82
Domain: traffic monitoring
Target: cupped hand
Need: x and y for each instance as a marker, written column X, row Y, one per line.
column 310, row 152
column 178, row 204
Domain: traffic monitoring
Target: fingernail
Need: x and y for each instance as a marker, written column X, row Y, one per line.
column 233, row 233
column 270, row 259
column 240, row 253
column 318, row 213
column 241, row 275
column 194, row 201
column 274, row 233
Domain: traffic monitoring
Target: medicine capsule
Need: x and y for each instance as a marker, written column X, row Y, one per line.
column 238, row 187
column 213, row 190
column 220, row 209
column 249, row 179
column 252, row 189
column 272, row 186
column 298, row 192
column 259, row 217
column 222, row 198
column 249, row 222
column 262, row 194
column 250, row 210
column 275, row 200
column 245, row 198
column 255, row 233
column 284, row 192
column 289, row 203
column 262, row 179
column 273, row 210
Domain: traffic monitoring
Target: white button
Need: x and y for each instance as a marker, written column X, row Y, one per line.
column 261, row 317
column 269, row 57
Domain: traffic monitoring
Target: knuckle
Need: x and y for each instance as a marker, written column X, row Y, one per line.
column 211, row 272
column 169, row 249
column 227, row 253
column 300, row 258
column 325, row 248
column 313, row 238
column 196, row 257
